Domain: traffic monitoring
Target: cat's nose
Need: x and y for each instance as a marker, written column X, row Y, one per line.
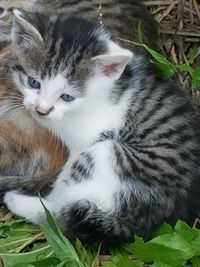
column 42, row 111
column 10, row 9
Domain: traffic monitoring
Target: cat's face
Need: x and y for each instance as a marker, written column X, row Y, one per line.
column 60, row 66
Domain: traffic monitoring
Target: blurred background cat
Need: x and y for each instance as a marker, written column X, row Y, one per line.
column 120, row 17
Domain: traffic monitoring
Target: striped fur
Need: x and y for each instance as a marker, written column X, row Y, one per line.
column 134, row 139
column 120, row 17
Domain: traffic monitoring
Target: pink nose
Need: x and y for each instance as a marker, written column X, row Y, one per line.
column 43, row 112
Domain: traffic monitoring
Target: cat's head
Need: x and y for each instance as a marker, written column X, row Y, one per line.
column 60, row 64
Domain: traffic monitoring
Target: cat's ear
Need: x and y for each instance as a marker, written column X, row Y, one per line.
column 24, row 34
column 113, row 65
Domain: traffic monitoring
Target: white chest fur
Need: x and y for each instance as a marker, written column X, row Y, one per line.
column 82, row 127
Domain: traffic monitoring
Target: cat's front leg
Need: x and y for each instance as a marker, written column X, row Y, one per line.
column 30, row 207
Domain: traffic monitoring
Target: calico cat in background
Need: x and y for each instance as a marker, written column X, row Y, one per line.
column 120, row 17
column 27, row 151
column 134, row 139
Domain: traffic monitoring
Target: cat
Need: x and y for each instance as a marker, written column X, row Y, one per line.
column 120, row 17
column 27, row 151
column 133, row 138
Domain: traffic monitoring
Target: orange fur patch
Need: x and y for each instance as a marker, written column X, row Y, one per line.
column 36, row 139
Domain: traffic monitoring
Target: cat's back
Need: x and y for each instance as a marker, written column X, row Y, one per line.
column 120, row 17
column 162, row 133
column 158, row 105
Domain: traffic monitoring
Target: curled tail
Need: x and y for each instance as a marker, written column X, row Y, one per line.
column 85, row 221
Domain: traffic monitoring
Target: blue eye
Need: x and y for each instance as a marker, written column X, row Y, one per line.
column 67, row 98
column 33, row 83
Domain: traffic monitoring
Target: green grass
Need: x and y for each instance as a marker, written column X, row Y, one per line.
column 23, row 245
column 166, row 68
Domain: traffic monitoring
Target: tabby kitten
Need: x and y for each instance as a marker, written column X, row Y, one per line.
column 27, row 151
column 134, row 139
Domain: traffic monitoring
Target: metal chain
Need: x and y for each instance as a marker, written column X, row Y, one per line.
column 100, row 14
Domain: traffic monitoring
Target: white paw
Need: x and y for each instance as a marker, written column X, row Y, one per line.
column 24, row 206
column 12, row 201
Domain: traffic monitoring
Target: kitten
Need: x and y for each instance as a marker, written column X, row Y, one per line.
column 120, row 17
column 134, row 139
column 27, row 151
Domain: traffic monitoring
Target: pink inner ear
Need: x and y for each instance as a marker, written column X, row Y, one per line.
column 110, row 69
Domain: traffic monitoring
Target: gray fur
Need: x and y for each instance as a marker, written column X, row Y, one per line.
column 155, row 154
column 119, row 17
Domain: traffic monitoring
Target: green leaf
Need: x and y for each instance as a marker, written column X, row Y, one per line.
column 165, row 67
column 61, row 249
column 129, row 248
column 120, row 260
column 158, row 57
column 68, row 264
column 85, row 256
column 195, row 262
column 196, row 77
column 186, row 231
column 160, row 264
column 50, row 262
column 15, row 233
column 166, row 71
column 12, row 259
column 53, row 223
column 192, row 55
column 171, row 249
column 12, row 222
column 8, row 244
column 59, row 243
column 164, row 229
column 185, row 68
column 17, row 227
column 140, row 33
column 196, row 244
column 108, row 264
